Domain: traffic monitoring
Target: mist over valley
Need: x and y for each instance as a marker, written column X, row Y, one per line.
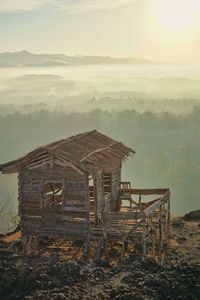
column 152, row 108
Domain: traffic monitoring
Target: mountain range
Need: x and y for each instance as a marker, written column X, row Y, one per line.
column 27, row 59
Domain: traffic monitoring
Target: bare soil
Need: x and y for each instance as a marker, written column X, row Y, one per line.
column 55, row 270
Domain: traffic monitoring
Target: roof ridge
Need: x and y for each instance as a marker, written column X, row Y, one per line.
column 67, row 140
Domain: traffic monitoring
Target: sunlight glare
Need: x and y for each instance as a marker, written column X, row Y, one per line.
column 177, row 15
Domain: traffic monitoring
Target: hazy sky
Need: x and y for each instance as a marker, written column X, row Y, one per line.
column 164, row 30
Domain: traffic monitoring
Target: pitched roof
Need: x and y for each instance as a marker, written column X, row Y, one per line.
column 87, row 151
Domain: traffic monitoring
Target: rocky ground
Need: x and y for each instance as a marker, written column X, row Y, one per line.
column 51, row 274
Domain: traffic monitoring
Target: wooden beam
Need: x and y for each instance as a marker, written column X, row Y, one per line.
column 52, row 162
column 144, row 191
column 60, row 161
column 9, row 169
column 98, row 150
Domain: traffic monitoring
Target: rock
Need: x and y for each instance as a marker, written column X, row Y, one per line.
column 119, row 291
column 59, row 296
column 102, row 263
column 129, row 296
column 17, row 245
column 181, row 240
column 192, row 216
column 156, row 283
column 179, row 224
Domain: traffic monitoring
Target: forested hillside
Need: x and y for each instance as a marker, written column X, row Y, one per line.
column 167, row 148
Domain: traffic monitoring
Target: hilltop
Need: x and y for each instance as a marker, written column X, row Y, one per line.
column 57, row 272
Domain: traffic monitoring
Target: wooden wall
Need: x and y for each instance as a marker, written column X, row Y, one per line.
column 115, row 187
column 99, row 193
column 71, row 213
column 37, row 217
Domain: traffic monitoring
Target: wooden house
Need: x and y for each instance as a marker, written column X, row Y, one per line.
column 62, row 186
column 72, row 188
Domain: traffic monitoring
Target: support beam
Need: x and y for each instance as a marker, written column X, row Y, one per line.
column 99, row 250
column 161, row 229
column 144, row 245
column 145, row 191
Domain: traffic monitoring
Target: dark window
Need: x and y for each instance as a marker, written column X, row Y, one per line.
column 52, row 194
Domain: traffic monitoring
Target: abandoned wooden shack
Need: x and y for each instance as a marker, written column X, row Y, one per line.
column 73, row 188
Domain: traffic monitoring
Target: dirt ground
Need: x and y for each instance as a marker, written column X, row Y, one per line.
column 57, row 271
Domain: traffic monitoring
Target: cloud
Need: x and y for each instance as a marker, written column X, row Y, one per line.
column 72, row 6
column 22, row 5
column 87, row 5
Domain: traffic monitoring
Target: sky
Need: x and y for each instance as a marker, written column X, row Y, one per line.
column 161, row 30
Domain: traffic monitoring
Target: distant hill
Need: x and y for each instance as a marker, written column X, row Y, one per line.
column 27, row 59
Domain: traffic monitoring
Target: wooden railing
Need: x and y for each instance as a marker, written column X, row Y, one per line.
column 150, row 222
column 145, row 191
column 147, row 225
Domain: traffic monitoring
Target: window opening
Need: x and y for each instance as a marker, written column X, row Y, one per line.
column 52, row 194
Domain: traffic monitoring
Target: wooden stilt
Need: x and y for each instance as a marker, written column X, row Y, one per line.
column 168, row 218
column 86, row 250
column 123, row 250
column 25, row 244
column 30, row 238
column 144, row 246
column 86, row 247
column 153, row 241
column 99, row 250
column 161, row 230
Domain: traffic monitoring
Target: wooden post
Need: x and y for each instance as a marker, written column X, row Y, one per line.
column 165, row 221
column 24, row 243
column 86, row 247
column 161, row 229
column 20, row 199
column 42, row 204
column 144, row 246
column 87, row 241
column 168, row 217
column 95, row 200
column 63, row 192
column 153, row 243
column 100, row 249
column 153, row 232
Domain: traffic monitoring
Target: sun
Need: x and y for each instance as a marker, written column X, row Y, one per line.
column 177, row 15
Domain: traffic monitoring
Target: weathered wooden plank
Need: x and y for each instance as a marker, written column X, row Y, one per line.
column 66, row 230
column 71, row 213
column 31, row 205
column 75, row 209
column 122, row 215
column 145, row 191
column 151, row 209
column 54, row 233
column 9, row 170
column 75, row 194
column 99, row 193
column 31, row 211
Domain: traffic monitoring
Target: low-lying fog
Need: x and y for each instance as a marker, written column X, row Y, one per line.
column 84, row 88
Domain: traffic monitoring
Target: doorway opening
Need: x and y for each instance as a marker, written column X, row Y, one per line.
column 93, row 200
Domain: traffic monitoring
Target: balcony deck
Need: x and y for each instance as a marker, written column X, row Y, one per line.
column 144, row 223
